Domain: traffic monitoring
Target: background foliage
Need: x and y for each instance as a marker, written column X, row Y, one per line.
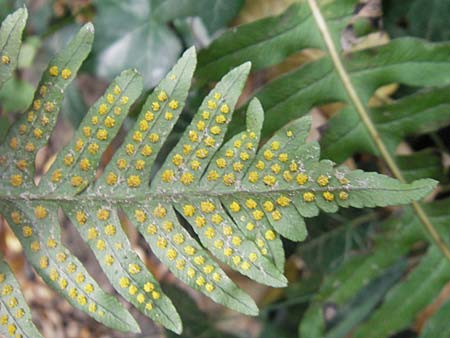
column 356, row 267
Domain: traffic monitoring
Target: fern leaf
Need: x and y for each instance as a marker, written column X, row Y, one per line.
column 239, row 199
column 35, row 224
column 15, row 315
column 32, row 130
column 10, row 42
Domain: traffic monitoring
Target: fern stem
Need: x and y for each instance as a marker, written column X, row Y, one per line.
column 365, row 118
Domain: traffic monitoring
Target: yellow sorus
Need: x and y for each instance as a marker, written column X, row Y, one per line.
column 143, row 125
column 92, row 233
column 269, row 235
column 116, row 90
column 85, row 164
column 276, row 168
column 322, row 180
column 220, row 119
column 210, row 233
column 109, row 260
column 40, row 212
column 35, row 246
column 276, row 215
column 5, row 59
column 173, row 104
column 134, row 268
column 253, row 257
column 149, row 116
column 80, row 278
column 218, row 243
column 16, row 180
column 159, row 211
column 92, row 307
column 217, row 277
column 343, row 195
column 177, row 159
column 178, row 239
column 171, row 254
column 268, row 155
column 200, row 221
column 260, row 165
column 208, row 269
column 93, row 148
column 102, row 135
column 221, row 163
column 193, row 136
column 140, row 298
column 283, row 201
column 139, row 164
column 227, row 230
column 236, row 260
column 61, row 257
column 229, row 179
column 151, row 229
column 133, row 181
column 162, row 96
column 168, row 116
column 153, row 137
column 87, row 131
column 81, row 217
column 207, row 207
column 161, row 243
column 302, row 179
column 213, row 175
column 200, row 281
column 27, row 231
column 309, row 196
column 79, row 145
column 53, row 71
column 30, row 147
column 167, row 176
column 195, row 165
column 251, row 203
column 211, row 104
column 168, row 226
column 187, row 148
column 38, row 133
column 253, row 177
column 54, row 275
column 155, row 106
column 201, row 153
column 51, row 243
column 283, row 157
column 245, row 265
column 94, row 120
column 89, row 288
column 289, row 133
column 236, row 240
column 215, row 130
column 66, row 73
column 140, row 215
column 225, row 109
column 188, row 210
column 238, row 166
column 71, row 268
column 209, row 141
column 156, row 295
column 124, row 282
column 103, row 214
column 206, row 115
column 63, row 283
column 146, row 150
column 189, row 250
column 132, row 290
column 258, row 215
column 180, row 264
column 199, row 260
column 149, row 287
column 110, row 98
column 110, row 230
column 235, row 206
column 124, row 100
column 328, row 196
column 269, row 180
column 111, row 178
column 287, row 176
column 102, row 109
column 109, row 122
column 43, row 262
column 268, row 206
column 250, row 226
column 216, row 219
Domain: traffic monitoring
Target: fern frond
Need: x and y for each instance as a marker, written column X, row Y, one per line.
column 238, row 198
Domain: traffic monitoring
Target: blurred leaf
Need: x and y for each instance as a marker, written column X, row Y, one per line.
column 16, row 95
column 28, row 52
column 126, row 27
column 421, row 164
column 427, row 19
column 197, row 323
column 358, row 308
column 438, row 325
column 408, row 297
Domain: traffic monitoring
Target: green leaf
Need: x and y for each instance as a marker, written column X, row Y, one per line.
column 36, row 226
column 10, row 41
column 421, row 164
column 407, row 298
column 15, row 314
column 33, row 129
column 438, row 323
column 269, row 41
column 16, row 95
column 238, row 197
column 143, row 23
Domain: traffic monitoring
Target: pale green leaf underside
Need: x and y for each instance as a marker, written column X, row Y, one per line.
column 238, row 198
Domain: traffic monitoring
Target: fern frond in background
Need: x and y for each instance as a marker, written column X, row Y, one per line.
column 238, row 196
